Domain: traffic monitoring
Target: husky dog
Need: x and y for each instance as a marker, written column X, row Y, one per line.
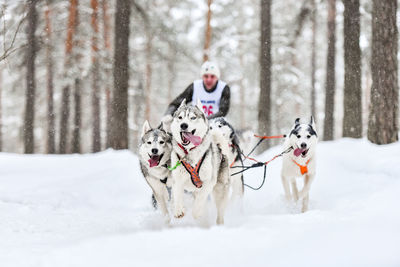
column 155, row 152
column 301, row 162
column 227, row 139
column 203, row 168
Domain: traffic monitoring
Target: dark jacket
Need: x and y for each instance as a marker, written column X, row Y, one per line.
column 188, row 95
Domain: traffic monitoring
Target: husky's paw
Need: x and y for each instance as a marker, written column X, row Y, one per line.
column 220, row 220
column 179, row 214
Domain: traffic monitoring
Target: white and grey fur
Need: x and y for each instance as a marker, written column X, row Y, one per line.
column 156, row 142
column 226, row 138
column 302, row 136
column 214, row 171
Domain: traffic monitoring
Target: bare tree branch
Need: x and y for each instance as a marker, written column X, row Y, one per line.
column 300, row 19
column 10, row 49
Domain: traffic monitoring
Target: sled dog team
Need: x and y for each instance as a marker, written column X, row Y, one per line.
column 194, row 154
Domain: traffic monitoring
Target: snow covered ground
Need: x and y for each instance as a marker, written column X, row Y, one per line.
column 94, row 210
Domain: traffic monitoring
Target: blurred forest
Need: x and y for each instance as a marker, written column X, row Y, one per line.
column 80, row 76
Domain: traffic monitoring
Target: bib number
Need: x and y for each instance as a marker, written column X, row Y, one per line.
column 208, row 110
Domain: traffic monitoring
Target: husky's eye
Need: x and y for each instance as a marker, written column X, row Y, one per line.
column 180, row 117
column 298, row 136
column 149, row 142
column 161, row 142
column 210, row 127
column 308, row 136
column 219, row 126
column 193, row 118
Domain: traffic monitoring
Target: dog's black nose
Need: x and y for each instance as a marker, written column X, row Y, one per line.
column 154, row 151
column 184, row 126
column 303, row 145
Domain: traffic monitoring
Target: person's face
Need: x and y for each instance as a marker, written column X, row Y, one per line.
column 209, row 80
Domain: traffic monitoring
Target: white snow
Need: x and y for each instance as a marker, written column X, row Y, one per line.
column 95, row 210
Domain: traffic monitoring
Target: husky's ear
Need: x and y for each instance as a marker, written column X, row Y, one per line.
column 183, row 103
column 297, row 122
column 146, row 128
column 312, row 121
column 166, row 123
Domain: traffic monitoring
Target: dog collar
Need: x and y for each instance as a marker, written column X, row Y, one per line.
column 303, row 168
column 184, row 149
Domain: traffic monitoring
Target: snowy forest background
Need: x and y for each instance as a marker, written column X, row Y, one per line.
column 58, row 68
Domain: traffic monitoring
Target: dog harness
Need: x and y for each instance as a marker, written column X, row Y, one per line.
column 194, row 171
column 303, row 168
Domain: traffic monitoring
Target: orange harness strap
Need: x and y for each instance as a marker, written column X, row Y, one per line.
column 270, row 137
column 303, row 168
column 194, row 171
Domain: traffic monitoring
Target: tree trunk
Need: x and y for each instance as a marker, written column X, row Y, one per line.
column 118, row 138
column 50, row 144
column 76, row 136
column 64, row 121
column 330, row 73
column 207, row 39
column 383, row 125
column 352, row 120
column 65, row 98
column 264, row 105
column 313, row 58
column 96, row 138
column 30, row 79
column 107, row 45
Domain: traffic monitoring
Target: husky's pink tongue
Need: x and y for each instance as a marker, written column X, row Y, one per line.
column 195, row 140
column 298, row 151
column 153, row 161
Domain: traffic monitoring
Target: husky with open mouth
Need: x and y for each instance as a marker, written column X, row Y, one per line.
column 201, row 168
column 300, row 161
column 155, row 153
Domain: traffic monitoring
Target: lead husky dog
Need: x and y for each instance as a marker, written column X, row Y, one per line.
column 154, row 153
column 302, row 140
column 228, row 141
column 203, row 169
